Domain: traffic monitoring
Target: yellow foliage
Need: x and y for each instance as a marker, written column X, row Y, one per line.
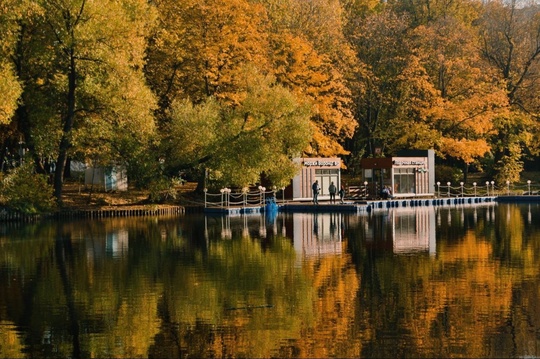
column 11, row 344
column 312, row 76
column 466, row 150
column 10, row 90
column 202, row 45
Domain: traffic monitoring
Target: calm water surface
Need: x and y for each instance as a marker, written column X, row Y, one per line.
column 406, row 283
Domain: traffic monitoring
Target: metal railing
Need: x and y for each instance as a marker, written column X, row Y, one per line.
column 257, row 197
column 245, row 198
column 488, row 188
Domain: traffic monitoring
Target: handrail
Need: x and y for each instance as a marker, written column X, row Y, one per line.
column 250, row 198
column 246, row 198
column 489, row 188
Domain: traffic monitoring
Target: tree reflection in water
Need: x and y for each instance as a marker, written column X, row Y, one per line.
column 410, row 282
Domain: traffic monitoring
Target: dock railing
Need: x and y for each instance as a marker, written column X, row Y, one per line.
column 245, row 198
column 487, row 188
column 253, row 197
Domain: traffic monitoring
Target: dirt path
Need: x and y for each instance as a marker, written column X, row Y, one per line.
column 79, row 196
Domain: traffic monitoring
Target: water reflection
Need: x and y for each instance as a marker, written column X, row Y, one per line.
column 116, row 243
column 414, row 230
column 410, row 282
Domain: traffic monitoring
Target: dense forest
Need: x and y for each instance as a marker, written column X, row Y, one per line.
column 230, row 91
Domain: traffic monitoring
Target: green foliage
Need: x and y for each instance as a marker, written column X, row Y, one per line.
column 513, row 135
column 85, row 94
column 27, row 192
column 508, row 168
column 143, row 169
column 236, row 144
column 162, row 189
column 445, row 174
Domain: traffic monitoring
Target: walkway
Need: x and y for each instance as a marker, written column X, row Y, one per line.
column 368, row 206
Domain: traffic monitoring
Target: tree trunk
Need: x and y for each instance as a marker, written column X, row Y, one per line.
column 65, row 142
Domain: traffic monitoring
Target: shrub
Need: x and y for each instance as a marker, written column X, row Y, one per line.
column 25, row 191
column 162, row 190
column 445, row 174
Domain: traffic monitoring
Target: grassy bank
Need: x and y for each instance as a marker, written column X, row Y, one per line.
column 80, row 197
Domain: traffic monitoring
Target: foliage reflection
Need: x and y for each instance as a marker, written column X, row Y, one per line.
column 416, row 282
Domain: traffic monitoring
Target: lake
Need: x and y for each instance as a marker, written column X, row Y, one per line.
column 423, row 282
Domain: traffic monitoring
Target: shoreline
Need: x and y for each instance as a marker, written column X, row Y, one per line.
column 150, row 210
column 7, row 215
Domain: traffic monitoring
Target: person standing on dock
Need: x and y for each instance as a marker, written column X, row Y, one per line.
column 316, row 188
column 341, row 195
column 332, row 189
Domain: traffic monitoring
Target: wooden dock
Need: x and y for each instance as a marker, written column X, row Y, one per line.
column 354, row 206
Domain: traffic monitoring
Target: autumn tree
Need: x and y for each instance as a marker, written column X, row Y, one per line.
column 510, row 42
column 426, row 87
column 468, row 95
column 84, row 90
column 311, row 56
column 425, row 12
column 200, row 46
column 307, row 73
column 10, row 88
column 382, row 47
column 511, row 136
column 235, row 145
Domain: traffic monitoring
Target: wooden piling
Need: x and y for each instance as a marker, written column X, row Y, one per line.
column 7, row 215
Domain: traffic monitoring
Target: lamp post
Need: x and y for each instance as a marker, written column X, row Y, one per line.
column 493, row 188
column 448, row 184
column 438, row 189
column 245, row 191
column 508, row 188
column 225, row 192
column 222, row 191
column 205, row 190
column 487, row 188
column 261, row 190
column 474, row 185
column 365, row 189
column 529, row 186
column 461, row 184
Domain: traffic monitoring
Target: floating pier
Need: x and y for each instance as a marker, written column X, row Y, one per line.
column 414, row 202
column 354, row 207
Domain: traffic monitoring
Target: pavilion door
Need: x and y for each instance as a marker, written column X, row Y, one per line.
column 377, row 181
column 326, row 177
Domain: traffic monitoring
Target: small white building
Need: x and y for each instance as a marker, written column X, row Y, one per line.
column 111, row 178
column 410, row 174
column 325, row 170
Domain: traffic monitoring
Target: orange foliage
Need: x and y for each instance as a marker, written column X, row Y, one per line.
column 312, row 76
column 202, row 44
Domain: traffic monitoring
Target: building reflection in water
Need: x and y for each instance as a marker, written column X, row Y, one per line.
column 413, row 230
column 317, row 234
column 311, row 233
column 400, row 230
column 116, row 243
